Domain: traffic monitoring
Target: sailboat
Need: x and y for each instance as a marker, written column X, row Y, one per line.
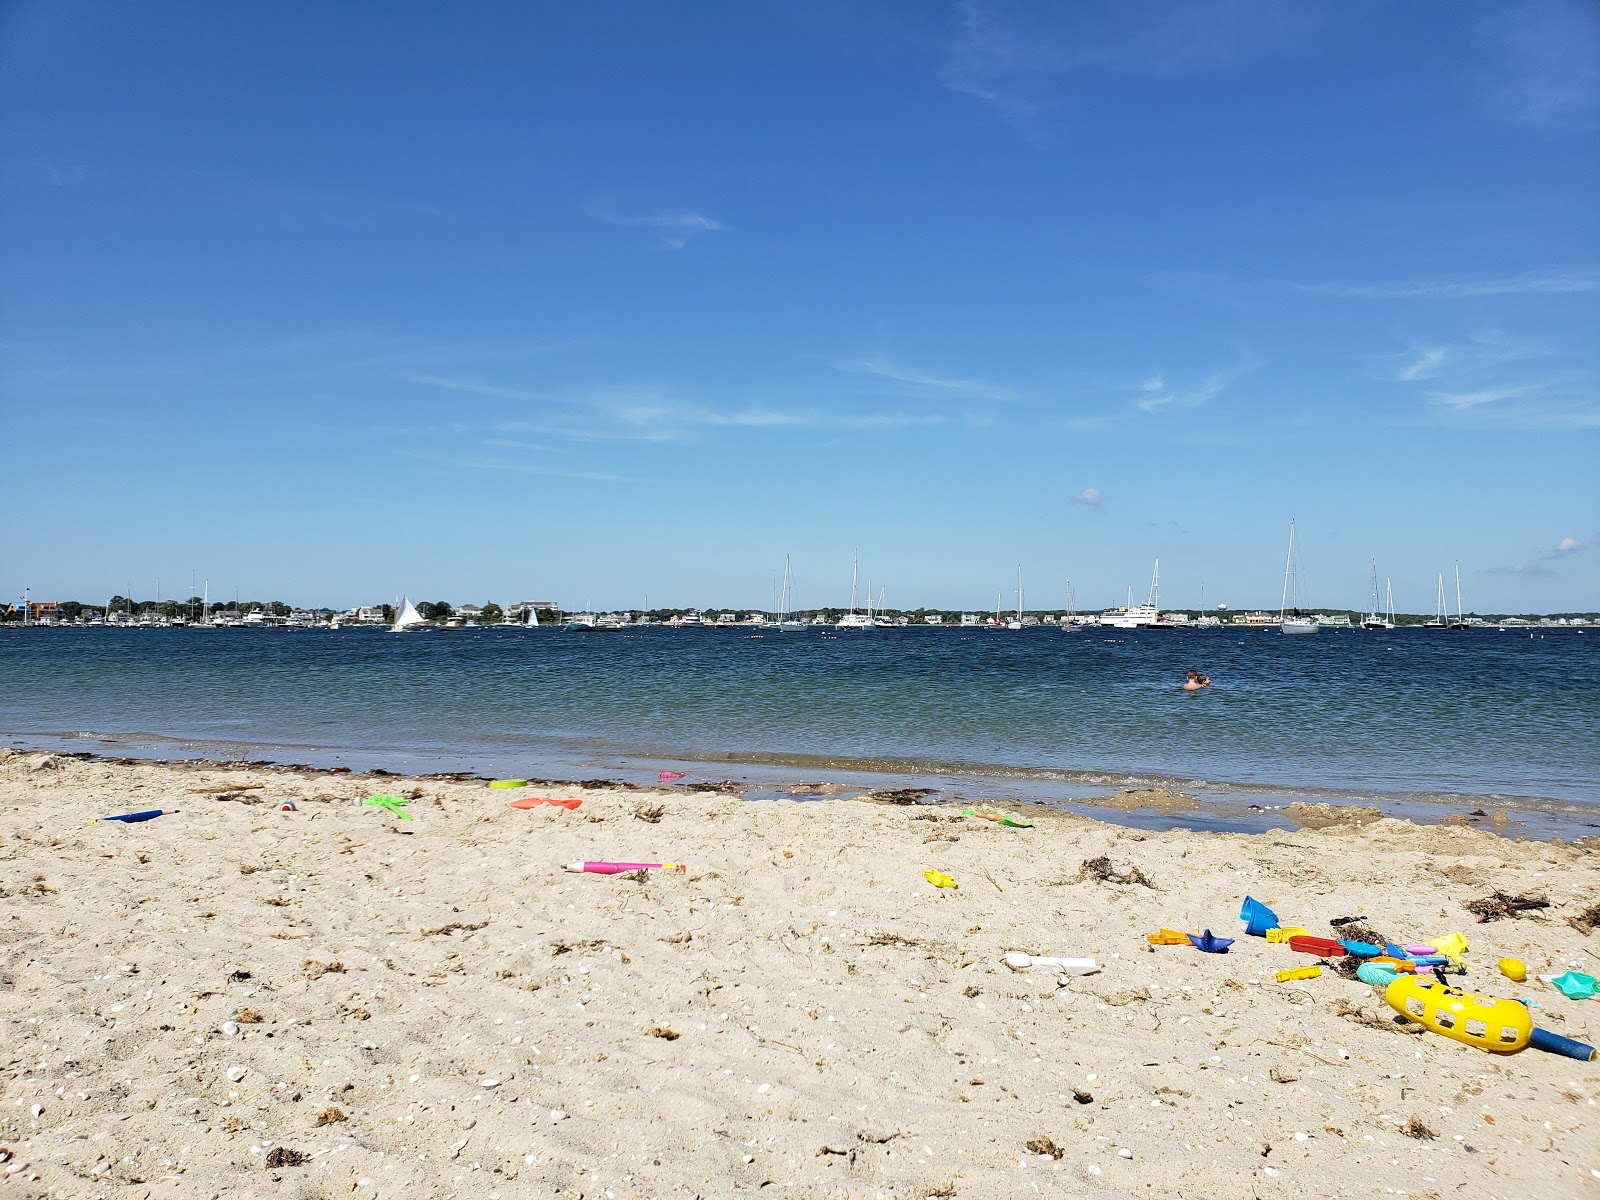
column 1460, row 621
column 853, row 619
column 408, row 617
column 1072, row 623
column 1441, row 609
column 1159, row 622
column 786, row 622
column 1290, row 618
column 1016, row 622
column 1374, row 621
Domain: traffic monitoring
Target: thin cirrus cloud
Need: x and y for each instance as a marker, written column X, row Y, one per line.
column 497, row 464
column 921, row 383
column 1533, row 283
column 1090, row 497
column 1425, row 363
column 1155, row 393
column 1014, row 59
column 471, row 387
column 1497, row 380
column 1544, row 63
column 673, row 230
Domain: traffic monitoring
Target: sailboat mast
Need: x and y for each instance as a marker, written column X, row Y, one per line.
column 1459, row 620
column 1019, row 591
column 854, row 562
column 1283, row 604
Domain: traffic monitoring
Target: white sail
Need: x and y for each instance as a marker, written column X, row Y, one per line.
column 408, row 616
column 1290, row 618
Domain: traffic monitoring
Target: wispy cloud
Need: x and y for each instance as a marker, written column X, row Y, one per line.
column 674, row 230
column 1524, row 569
column 1495, row 380
column 471, row 387
column 1547, row 63
column 1018, row 60
column 1425, row 363
column 1090, row 497
column 62, row 175
column 921, row 383
column 1459, row 401
column 682, row 417
column 1534, row 283
column 1156, row 393
column 520, row 468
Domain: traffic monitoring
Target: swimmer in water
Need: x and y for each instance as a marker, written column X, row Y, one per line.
column 1196, row 681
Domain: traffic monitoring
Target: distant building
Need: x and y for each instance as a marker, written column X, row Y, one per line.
column 933, row 619
column 1256, row 618
column 44, row 612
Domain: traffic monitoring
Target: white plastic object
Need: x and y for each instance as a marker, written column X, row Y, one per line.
column 1069, row 966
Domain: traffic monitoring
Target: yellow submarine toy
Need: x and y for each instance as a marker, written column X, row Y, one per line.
column 1500, row 1026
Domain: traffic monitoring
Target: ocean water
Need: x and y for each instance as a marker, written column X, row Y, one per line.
column 1410, row 716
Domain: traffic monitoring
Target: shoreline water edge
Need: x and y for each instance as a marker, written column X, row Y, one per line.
column 436, row 985
column 1135, row 800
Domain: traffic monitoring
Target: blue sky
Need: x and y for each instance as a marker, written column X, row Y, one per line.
column 601, row 301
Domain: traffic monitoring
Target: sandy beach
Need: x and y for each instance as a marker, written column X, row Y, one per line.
column 241, row 1001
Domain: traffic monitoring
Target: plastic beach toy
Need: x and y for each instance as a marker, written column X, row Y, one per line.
column 618, row 868
column 1501, row 1026
column 1007, row 819
column 1286, row 932
column 1574, row 985
column 508, row 783
column 1513, row 969
column 1291, row 973
column 149, row 814
column 536, row 801
column 940, row 879
column 287, row 806
column 1257, row 917
column 1365, row 949
column 1451, row 945
column 1018, row 961
column 1168, row 937
column 669, row 776
column 1377, row 974
column 1320, row 946
column 393, row 803
column 1543, row 1039
column 1210, row 943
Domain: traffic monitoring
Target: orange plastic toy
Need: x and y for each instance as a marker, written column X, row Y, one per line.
column 1168, row 937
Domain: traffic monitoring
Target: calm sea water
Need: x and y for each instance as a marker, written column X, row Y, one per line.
column 1464, row 716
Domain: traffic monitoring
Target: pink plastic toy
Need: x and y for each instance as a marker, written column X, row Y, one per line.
column 616, row 868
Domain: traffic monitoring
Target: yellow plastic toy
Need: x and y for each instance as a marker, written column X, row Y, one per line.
column 1514, row 969
column 1310, row 972
column 1168, row 937
column 1451, row 945
column 939, row 879
column 1500, row 1026
column 1287, row 932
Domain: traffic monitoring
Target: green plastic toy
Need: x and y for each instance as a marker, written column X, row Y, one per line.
column 394, row 804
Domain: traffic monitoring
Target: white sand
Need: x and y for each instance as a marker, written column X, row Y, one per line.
column 841, row 1028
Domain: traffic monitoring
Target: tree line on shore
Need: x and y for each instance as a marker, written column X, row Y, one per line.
column 491, row 613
